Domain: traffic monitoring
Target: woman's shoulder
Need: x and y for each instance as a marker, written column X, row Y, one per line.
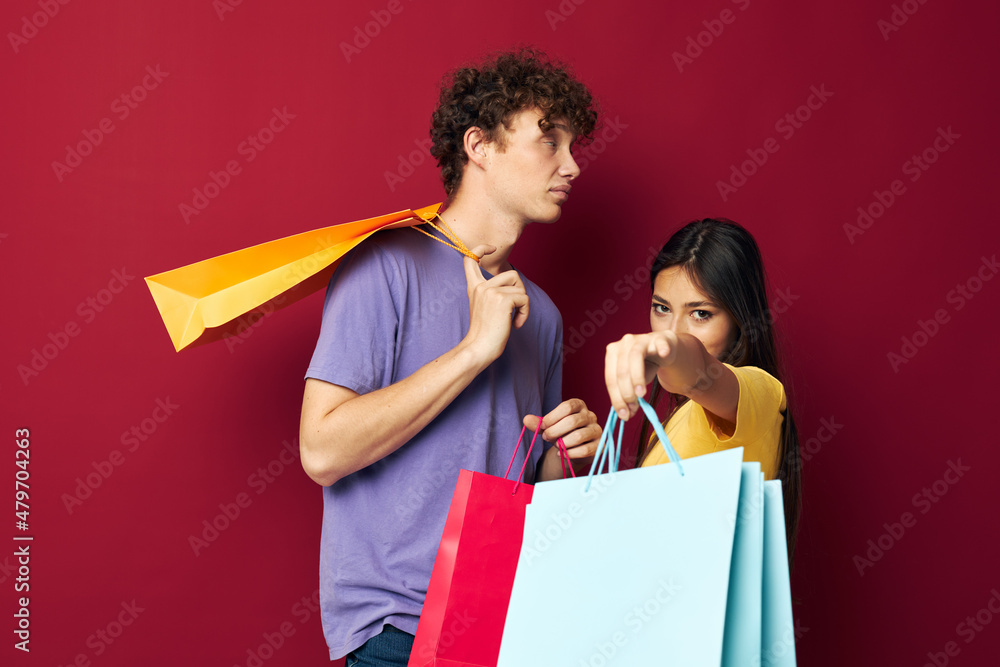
column 760, row 383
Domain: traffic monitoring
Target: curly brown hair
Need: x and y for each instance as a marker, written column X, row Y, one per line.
column 490, row 95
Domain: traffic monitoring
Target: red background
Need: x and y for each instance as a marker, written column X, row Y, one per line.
column 847, row 305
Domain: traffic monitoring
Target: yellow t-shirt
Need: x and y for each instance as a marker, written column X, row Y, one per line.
column 693, row 431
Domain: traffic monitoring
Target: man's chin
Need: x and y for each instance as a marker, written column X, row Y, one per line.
column 548, row 217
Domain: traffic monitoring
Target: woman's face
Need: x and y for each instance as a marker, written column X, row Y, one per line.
column 679, row 306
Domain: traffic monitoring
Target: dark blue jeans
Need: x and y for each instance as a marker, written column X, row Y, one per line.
column 390, row 648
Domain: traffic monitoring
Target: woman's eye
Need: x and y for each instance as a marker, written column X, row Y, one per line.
column 660, row 309
column 702, row 315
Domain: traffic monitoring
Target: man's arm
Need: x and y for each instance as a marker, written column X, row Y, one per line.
column 341, row 431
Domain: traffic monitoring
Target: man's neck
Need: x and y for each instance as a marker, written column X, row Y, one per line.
column 478, row 223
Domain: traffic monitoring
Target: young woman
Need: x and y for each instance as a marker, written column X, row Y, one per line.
column 712, row 351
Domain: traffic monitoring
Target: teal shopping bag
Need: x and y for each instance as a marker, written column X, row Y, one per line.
column 778, row 633
column 742, row 640
column 629, row 567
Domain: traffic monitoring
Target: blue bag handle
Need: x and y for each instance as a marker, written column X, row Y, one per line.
column 661, row 434
column 609, row 448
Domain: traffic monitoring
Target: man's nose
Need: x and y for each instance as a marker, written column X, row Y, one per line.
column 569, row 169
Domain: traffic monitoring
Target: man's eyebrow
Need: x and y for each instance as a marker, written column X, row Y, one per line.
column 560, row 126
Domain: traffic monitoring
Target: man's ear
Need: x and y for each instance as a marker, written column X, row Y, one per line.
column 475, row 146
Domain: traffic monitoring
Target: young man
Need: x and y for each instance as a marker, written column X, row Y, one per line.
column 426, row 362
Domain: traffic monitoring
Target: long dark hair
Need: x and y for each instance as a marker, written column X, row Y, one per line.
column 723, row 261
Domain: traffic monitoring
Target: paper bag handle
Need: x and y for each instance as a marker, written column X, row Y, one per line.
column 609, row 448
column 661, row 434
column 562, row 453
column 564, row 461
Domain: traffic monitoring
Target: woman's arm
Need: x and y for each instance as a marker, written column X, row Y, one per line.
column 681, row 364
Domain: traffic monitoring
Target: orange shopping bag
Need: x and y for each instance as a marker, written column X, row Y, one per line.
column 204, row 301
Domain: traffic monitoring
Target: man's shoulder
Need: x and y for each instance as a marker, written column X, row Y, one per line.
column 538, row 296
column 389, row 243
column 394, row 253
column 404, row 247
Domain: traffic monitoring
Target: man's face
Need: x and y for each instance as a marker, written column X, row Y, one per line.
column 529, row 175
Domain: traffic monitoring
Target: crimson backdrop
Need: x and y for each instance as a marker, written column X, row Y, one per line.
column 884, row 321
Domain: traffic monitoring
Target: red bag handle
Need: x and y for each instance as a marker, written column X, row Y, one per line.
column 563, row 457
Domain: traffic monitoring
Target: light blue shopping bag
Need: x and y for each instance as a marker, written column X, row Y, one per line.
column 742, row 639
column 628, row 568
column 778, row 634
column 660, row 565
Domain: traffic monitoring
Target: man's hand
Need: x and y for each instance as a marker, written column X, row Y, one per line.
column 494, row 306
column 579, row 430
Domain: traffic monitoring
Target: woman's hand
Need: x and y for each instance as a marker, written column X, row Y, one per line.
column 681, row 364
column 631, row 364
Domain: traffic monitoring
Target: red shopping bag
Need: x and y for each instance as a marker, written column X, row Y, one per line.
column 466, row 605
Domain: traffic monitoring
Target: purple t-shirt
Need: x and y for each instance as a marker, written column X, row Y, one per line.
column 395, row 303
